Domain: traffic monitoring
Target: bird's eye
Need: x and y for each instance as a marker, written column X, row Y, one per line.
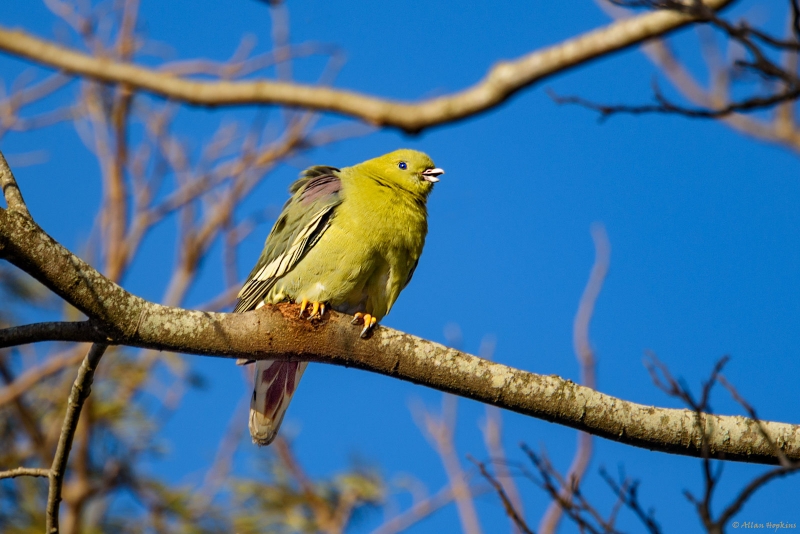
column 402, row 165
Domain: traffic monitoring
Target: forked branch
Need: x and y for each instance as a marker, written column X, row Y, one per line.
column 501, row 82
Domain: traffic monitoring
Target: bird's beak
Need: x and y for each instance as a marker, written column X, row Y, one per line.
column 431, row 175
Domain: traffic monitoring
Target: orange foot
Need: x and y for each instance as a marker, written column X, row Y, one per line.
column 316, row 312
column 368, row 320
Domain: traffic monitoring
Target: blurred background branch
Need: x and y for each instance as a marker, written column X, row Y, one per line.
column 502, row 81
column 154, row 179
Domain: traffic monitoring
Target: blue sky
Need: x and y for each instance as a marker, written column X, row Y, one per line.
column 703, row 224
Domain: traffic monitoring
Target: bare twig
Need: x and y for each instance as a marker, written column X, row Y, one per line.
column 784, row 461
column 12, row 105
column 750, row 489
column 419, row 511
column 502, row 81
column 35, row 375
column 585, row 356
column 666, row 106
column 795, row 18
column 440, row 431
column 779, row 130
column 25, row 472
column 78, row 395
column 663, row 379
column 223, row 459
column 30, row 423
column 627, row 492
column 54, row 331
column 297, row 473
column 675, row 388
column 494, row 446
column 575, row 507
column 715, row 104
column 328, row 519
column 11, row 190
column 492, row 437
column 136, row 176
column 508, row 506
column 580, row 329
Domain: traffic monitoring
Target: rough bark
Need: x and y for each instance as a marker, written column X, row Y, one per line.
column 119, row 317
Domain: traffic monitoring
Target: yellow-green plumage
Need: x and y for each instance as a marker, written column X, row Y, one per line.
column 349, row 238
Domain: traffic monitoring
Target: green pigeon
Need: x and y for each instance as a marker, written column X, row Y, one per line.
column 348, row 239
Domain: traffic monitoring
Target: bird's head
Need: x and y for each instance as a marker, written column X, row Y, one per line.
column 408, row 169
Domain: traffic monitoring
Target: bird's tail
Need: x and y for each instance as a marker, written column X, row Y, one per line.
column 275, row 383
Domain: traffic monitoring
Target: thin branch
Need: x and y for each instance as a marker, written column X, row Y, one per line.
column 740, row 33
column 676, row 388
column 33, row 376
column 580, row 329
column 316, row 503
column 11, row 190
column 30, row 422
column 508, row 506
column 25, row 472
column 795, row 18
column 419, row 511
column 492, row 437
column 53, row 331
column 12, row 105
column 666, row 106
column 585, row 355
column 81, row 389
column 753, row 486
column 786, row 467
column 439, row 432
column 275, row 332
column 663, row 380
column 628, row 493
column 754, row 416
column 500, row 83
column 580, row 511
column 778, row 131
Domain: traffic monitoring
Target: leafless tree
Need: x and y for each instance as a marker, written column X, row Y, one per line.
column 86, row 430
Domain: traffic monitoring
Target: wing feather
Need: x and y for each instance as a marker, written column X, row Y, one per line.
column 304, row 219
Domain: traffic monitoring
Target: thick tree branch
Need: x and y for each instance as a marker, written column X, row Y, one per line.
column 275, row 332
column 500, row 83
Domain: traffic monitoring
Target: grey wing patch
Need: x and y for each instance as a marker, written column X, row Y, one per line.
column 310, row 174
column 262, row 280
column 304, row 219
column 320, row 187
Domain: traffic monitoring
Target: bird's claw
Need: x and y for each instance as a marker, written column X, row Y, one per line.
column 316, row 312
column 368, row 321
